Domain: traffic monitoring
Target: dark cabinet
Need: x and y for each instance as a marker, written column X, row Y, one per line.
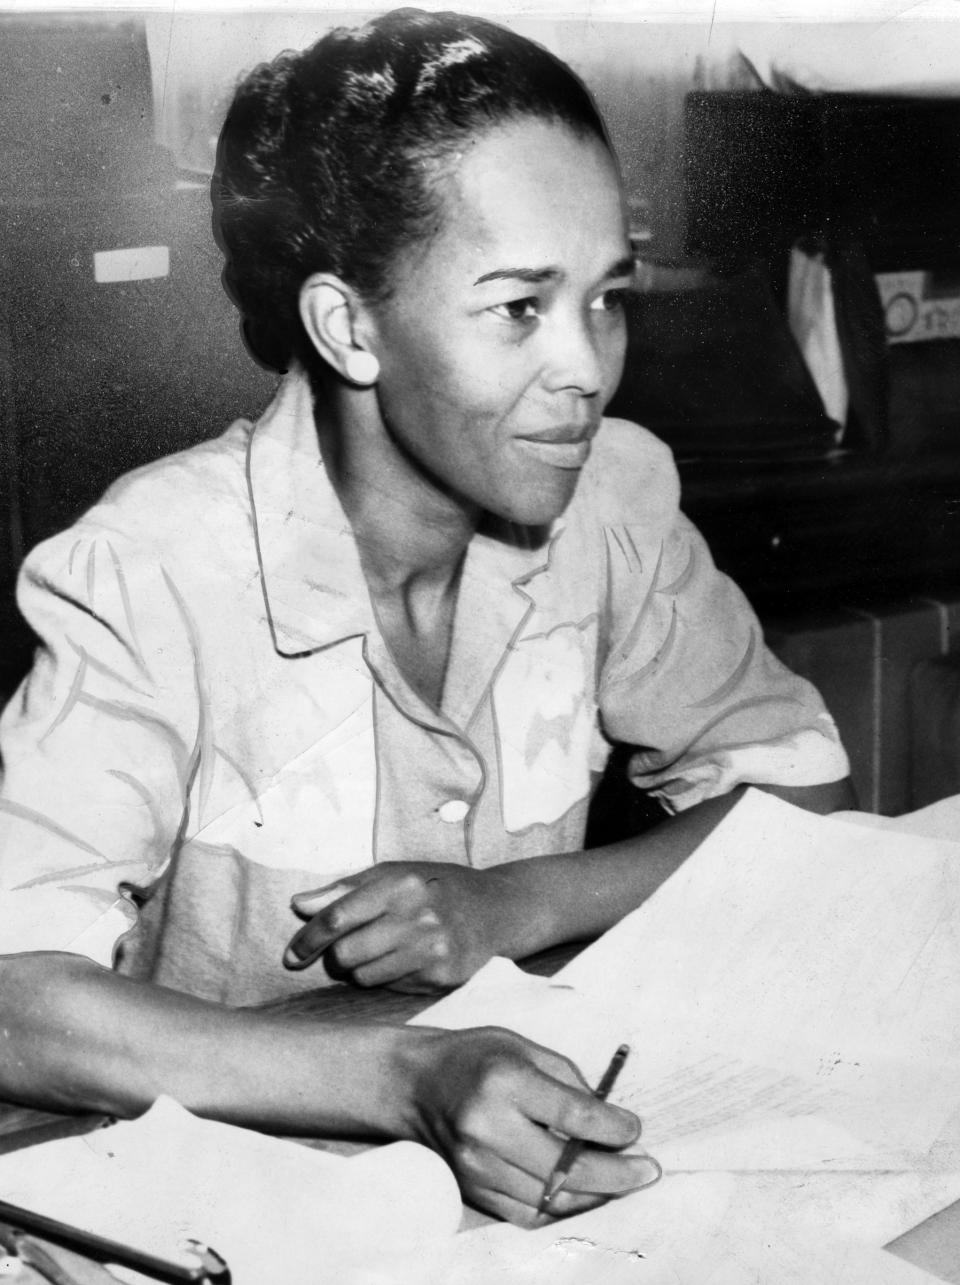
column 97, row 376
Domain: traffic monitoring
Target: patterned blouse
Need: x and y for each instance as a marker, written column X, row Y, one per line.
column 213, row 721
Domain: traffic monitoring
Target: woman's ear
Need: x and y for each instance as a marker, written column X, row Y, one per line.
column 329, row 311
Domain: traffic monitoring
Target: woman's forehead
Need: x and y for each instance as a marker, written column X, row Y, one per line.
column 529, row 187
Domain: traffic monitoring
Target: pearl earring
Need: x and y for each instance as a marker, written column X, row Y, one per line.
column 361, row 367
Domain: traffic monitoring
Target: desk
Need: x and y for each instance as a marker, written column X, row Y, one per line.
column 934, row 1245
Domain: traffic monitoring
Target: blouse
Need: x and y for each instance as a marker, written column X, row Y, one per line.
column 214, row 721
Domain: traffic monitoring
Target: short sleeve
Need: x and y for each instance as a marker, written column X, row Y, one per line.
column 98, row 745
column 688, row 680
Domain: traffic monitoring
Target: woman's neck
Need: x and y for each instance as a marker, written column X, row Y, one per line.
column 412, row 540
column 410, row 534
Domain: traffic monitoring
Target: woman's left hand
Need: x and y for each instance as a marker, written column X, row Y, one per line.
column 413, row 925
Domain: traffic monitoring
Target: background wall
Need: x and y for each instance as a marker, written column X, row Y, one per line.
column 638, row 69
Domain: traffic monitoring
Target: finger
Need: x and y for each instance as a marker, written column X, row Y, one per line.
column 483, row 1170
column 311, row 901
column 373, row 894
column 561, row 1068
column 568, row 1073
column 389, row 887
column 369, row 943
column 308, row 904
column 573, row 1111
column 612, row 1173
column 513, row 1195
column 499, row 1127
column 536, row 1152
column 502, row 1206
column 356, row 908
column 306, row 946
column 420, row 962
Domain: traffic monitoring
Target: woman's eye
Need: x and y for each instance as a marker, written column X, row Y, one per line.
column 610, row 300
column 518, row 309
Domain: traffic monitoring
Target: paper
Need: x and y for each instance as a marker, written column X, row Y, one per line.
column 783, row 995
column 701, row 1107
column 549, row 1012
column 811, row 316
column 710, row 1229
column 940, row 820
column 275, row 1210
column 822, row 953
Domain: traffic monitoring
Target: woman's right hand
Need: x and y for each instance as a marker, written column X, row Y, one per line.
column 499, row 1109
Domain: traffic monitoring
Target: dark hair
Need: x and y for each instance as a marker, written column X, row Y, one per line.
column 328, row 159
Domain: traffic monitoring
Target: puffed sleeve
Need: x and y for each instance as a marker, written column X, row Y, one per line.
column 98, row 745
column 686, row 676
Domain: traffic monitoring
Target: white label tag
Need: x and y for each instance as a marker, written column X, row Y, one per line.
column 141, row 263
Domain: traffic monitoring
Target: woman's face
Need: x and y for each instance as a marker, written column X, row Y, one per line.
column 504, row 338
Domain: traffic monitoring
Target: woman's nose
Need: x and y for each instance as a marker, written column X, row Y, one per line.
column 577, row 359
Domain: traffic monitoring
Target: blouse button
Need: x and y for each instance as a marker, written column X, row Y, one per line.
column 453, row 811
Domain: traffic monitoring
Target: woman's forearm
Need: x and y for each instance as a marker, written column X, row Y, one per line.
column 577, row 895
column 74, row 1036
column 422, row 925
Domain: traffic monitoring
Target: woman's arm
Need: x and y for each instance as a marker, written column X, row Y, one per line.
column 422, row 926
column 75, row 1036
column 572, row 896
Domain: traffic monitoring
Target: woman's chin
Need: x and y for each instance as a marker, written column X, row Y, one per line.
column 540, row 505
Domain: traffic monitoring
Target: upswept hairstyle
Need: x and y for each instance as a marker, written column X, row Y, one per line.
column 328, row 159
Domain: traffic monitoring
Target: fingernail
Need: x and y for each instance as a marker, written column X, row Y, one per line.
column 646, row 1170
column 292, row 958
column 629, row 1119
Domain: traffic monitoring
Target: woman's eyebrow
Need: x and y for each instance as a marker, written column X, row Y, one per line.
column 624, row 267
column 532, row 276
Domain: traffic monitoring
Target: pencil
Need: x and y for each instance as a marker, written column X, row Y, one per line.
column 573, row 1146
column 209, row 1265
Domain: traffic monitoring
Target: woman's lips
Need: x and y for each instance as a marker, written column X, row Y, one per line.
column 560, row 454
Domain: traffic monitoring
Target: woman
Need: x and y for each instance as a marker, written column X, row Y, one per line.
column 328, row 695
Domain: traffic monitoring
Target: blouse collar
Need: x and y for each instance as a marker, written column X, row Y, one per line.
column 313, row 584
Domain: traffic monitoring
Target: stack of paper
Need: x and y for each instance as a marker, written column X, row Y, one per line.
column 790, row 998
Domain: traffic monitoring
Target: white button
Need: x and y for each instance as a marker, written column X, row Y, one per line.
column 453, row 811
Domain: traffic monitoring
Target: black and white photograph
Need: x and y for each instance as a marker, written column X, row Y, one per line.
column 480, row 642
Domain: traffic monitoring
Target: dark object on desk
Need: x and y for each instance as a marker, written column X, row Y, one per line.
column 31, row 1253
column 934, row 730
column 208, row 1267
